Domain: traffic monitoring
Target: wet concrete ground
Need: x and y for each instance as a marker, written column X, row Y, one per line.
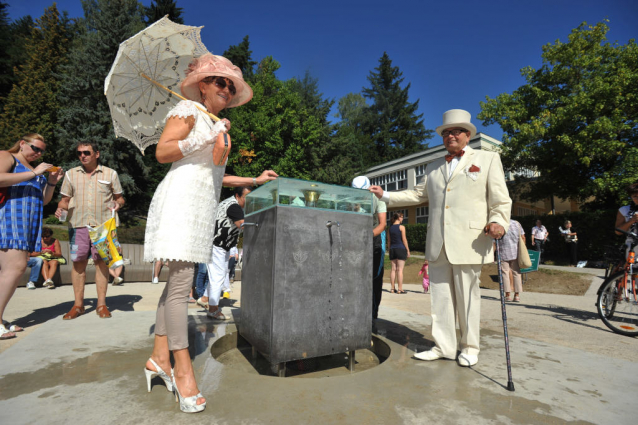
column 91, row 369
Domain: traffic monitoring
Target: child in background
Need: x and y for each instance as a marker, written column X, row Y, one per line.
column 426, row 277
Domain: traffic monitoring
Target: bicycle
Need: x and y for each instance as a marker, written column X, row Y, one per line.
column 614, row 259
column 617, row 301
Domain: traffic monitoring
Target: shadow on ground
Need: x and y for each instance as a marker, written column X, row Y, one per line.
column 42, row 315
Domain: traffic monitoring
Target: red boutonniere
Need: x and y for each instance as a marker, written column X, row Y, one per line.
column 474, row 169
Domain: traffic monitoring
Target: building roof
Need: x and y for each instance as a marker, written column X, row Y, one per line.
column 480, row 141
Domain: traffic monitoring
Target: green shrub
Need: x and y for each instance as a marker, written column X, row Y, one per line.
column 595, row 231
column 415, row 235
column 133, row 235
column 51, row 220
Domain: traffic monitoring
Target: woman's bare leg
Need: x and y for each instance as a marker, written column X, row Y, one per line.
column 13, row 263
column 45, row 269
column 400, row 265
column 393, row 273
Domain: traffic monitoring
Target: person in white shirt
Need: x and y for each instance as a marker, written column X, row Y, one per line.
column 539, row 236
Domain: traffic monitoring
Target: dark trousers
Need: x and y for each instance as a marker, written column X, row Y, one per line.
column 572, row 248
column 377, row 279
column 538, row 246
column 231, row 267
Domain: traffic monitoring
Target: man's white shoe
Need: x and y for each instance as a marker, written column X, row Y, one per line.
column 467, row 360
column 30, row 285
column 428, row 355
column 155, row 280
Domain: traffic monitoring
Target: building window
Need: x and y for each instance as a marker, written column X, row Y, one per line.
column 419, row 171
column 422, row 214
column 397, row 180
column 525, row 211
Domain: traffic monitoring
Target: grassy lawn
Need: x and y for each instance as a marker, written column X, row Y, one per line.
column 545, row 280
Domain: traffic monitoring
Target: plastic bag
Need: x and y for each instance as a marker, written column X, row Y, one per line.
column 104, row 239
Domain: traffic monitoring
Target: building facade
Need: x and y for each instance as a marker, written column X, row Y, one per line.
column 408, row 171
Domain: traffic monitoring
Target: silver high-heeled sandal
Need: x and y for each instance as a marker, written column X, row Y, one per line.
column 150, row 374
column 188, row 404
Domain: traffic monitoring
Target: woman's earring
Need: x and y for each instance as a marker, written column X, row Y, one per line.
column 203, row 98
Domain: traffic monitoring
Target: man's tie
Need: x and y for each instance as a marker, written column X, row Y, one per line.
column 449, row 157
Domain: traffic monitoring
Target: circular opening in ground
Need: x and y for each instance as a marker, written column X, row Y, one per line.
column 235, row 352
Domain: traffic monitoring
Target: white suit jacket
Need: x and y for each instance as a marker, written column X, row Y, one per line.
column 461, row 206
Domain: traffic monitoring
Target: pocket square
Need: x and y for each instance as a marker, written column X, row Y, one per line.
column 474, row 169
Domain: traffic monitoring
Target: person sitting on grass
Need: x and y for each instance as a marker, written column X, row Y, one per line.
column 51, row 255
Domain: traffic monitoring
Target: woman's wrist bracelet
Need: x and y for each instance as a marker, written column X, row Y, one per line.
column 34, row 173
column 254, row 182
column 51, row 184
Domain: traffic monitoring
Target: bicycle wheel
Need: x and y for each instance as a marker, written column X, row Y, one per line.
column 618, row 313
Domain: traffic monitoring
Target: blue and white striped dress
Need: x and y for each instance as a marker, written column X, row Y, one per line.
column 21, row 214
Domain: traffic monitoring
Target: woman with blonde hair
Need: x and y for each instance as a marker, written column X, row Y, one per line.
column 181, row 217
column 23, row 192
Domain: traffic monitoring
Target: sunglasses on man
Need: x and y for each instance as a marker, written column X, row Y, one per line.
column 85, row 153
column 454, row 132
column 222, row 82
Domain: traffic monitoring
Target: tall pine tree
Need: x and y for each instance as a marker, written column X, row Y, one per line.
column 241, row 56
column 13, row 39
column 33, row 104
column 160, row 8
column 391, row 121
column 85, row 113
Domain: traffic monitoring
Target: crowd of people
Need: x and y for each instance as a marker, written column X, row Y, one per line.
column 188, row 229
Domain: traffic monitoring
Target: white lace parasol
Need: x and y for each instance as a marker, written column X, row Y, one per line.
column 141, row 85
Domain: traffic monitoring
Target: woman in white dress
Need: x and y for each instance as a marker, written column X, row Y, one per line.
column 181, row 217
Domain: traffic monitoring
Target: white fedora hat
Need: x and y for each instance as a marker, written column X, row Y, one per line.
column 457, row 118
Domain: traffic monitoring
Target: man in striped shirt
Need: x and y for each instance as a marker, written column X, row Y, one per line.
column 90, row 193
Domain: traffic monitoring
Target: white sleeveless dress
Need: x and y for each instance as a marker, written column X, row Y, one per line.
column 181, row 218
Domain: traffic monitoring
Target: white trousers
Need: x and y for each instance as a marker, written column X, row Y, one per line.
column 455, row 294
column 217, row 275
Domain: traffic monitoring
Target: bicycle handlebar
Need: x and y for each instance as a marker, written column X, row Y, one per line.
column 632, row 234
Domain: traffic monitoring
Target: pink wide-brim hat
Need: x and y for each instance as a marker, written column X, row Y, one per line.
column 212, row 65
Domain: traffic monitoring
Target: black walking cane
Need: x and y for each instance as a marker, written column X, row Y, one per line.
column 510, row 384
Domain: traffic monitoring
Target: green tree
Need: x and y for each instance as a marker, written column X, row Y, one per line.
column 349, row 151
column 85, row 113
column 32, row 104
column 391, row 120
column 13, row 39
column 575, row 121
column 160, row 8
column 241, row 56
column 273, row 127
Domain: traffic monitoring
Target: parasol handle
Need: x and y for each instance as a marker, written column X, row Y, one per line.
column 213, row 117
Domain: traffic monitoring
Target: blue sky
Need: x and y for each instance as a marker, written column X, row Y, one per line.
column 453, row 53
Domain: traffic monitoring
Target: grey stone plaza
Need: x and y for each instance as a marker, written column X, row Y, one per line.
column 566, row 365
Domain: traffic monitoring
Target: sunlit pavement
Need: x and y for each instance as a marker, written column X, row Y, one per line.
column 566, row 366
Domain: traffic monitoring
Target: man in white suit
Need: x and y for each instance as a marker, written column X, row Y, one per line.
column 469, row 204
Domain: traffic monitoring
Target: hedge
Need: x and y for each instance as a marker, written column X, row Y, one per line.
column 595, row 232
